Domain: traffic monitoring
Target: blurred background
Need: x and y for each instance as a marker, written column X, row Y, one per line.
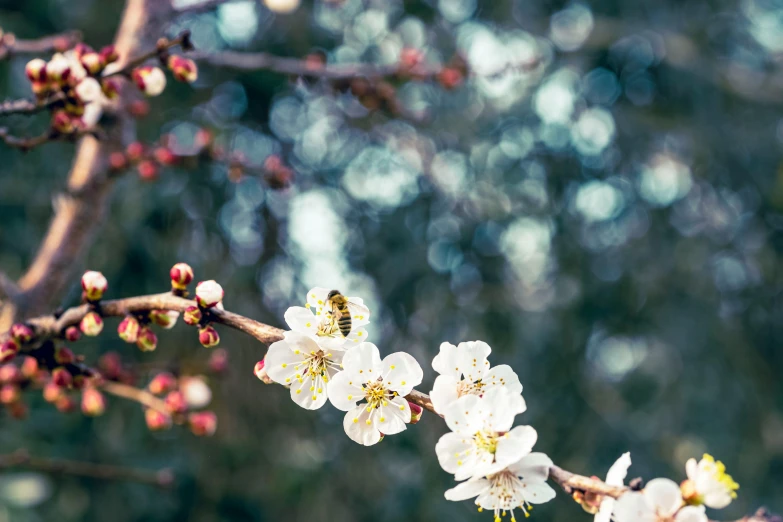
column 601, row 200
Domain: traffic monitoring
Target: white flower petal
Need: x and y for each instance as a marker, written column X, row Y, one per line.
column 619, row 470
column 446, row 362
column 345, row 391
column 472, row 359
column 316, row 298
column 533, row 467
column 390, row 419
column 444, row 392
column 538, row 492
column 664, row 494
column 357, row 335
column 691, row 514
column 364, row 360
column 464, row 415
column 310, row 393
column 502, row 376
column 632, row 507
column 515, row 444
column 500, row 407
column 455, row 452
column 281, row 363
column 301, row 320
column 356, row 427
column 401, row 372
column 358, row 318
column 692, row 469
column 467, row 490
column 605, row 510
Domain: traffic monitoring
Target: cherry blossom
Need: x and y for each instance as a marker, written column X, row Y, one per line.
column 660, row 501
column 314, row 320
column 382, row 384
column 614, row 477
column 712, row 485
column 464, row 370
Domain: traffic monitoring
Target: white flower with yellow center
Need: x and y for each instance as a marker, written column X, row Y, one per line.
column 315, row 319
column 709, row 483
column 299, row 362
column 481, row 443
column 464, row 370
column 517, row 486
column 660, row 501
column 381, row 386
column 614, row 477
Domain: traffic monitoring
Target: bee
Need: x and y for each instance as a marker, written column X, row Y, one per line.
column 340, row 309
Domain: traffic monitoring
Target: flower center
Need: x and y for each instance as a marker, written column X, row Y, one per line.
column 487, row 441
column 377, row 395
column 466, row 387
column 506, row 492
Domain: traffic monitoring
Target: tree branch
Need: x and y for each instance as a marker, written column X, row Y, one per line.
column 132, row 393
column 22, row 459
column 10, row 45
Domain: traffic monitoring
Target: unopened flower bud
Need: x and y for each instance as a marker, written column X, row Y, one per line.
column 80, row 49
column 416, row 412
column 36, row 70
column 109, row 55
column 208, row 337
column 135, row 151
column 410, row 59
column 52, row 392
column 79, row 382
column 165, row 156
column 164, row 318
column 450, row 78
column 150, row 80
column 40, row 89
column 91, row 324
column 203, row 423
column 29, row 368
column 17, row 410
column 162, row 383
column 208, row 294
column 147, row 341
column 590, row 502
column 94, row 285
column 63, row 355
column 65, row 404
column 110, row 365
column 10, row 373
column 9, row 393
column 148, row 170
column 139, row 108
column 63, row 122
column 196, row 391
column 192, row 315
column 92, row 63
column 157, row 421
column 8, row 350
column 689, row 493
column 260, row 372
column 181, row 276
column 128, row 329
column 22, row 333
column 175, row 402
column 93, row 402
column 110, row 88
column 184, row 69
column 218, row 361
column 118, row 161
column 203, row 138
column 62, row 377
column 72, row 334
column 88, row 90
column 58, row 69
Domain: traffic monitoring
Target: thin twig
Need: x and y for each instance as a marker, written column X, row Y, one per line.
column 22, row 459
column 10, row 45
column 163, row 45
column 9, row 107
column 25, row 144
column 132, row 393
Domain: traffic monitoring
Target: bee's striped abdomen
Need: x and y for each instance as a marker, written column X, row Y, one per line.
column 344, row 323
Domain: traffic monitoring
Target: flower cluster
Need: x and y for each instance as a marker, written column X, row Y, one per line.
column 182, row 397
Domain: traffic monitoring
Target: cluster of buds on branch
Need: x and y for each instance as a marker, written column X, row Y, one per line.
column 183, row 398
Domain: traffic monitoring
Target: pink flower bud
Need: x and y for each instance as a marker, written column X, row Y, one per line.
column 162, row 383
column 139, row 108
column 175, row 402
column 150, row 80
column 118, row 161
column 92, row 62
column 208, row 294
column 91, row 324
column 62, row 377
column 63, row 355
column 184, row 69
column 110, row 365
column 40, row 89
column 410, row 58
column 203, row 423
column 416, row 412
column 22, row 333
column 110, row 88
column 218, row 361
column 208, row 337
column 147, row 341
column 260, row 372
column 9, row 374
column 8, row 350
column 181, row 276
column 93, row 402
column 196, row 391
column 72, row 334
column 94, row 285
column 52, row 392
column 88, row 90
column 79, row 382
column 192, row 315
column 29, row 368
column 109, row 55
column 58, row 69
column 63, row 122
column 165, row 156
column 36, row 70
column 9, row 393
column 164, row 318
column 148, row 171
column 65, row 404
column 135, row 151
column 80, row 49
column 157, row 421
column 450, row 78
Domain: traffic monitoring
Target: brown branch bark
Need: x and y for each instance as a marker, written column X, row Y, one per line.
column 22, row 459
column 50, row 326
column 10, row 45
column 79, row 214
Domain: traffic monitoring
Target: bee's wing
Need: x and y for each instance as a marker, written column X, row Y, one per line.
column 358, row 310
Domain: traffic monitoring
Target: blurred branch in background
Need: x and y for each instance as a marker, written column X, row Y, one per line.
column 22, row 459
column 11, row 45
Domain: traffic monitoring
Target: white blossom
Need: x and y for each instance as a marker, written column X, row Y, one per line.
column 383, row 386
column 314, row 320
column 714, row 487
column 299, row 362
column 660, row 501
column 515, row 487
column 464, row 370
column 209, row 293
column 482, row 442
column 614, row 477
column 88, row 90
column 197, row 392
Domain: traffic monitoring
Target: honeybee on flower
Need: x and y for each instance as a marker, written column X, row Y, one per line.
column 330, row 318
